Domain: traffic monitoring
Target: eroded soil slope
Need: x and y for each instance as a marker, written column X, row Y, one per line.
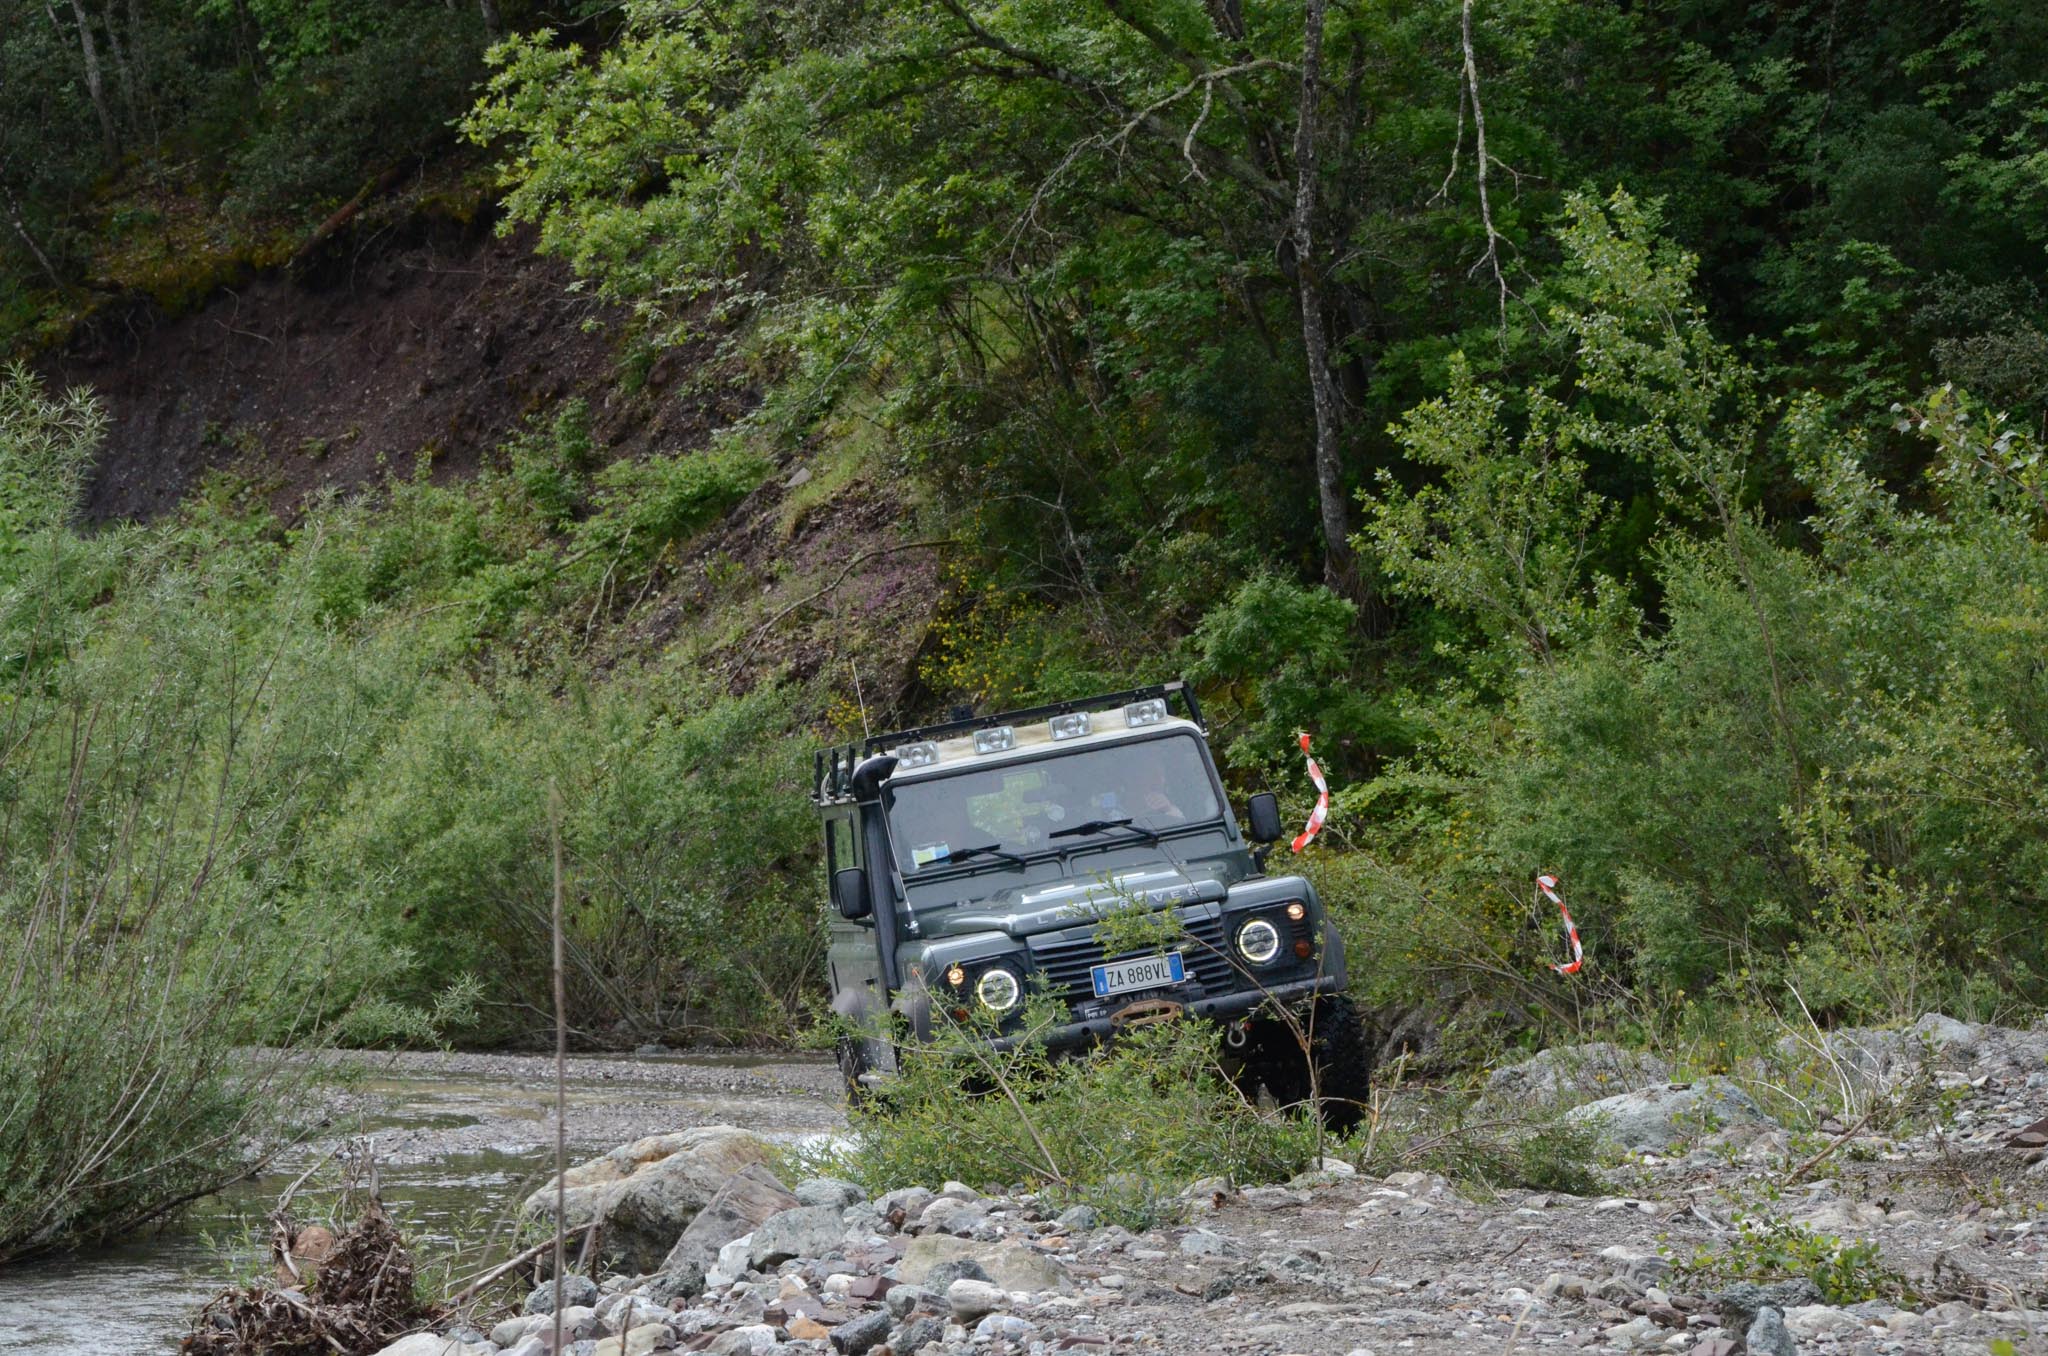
column 430, row 337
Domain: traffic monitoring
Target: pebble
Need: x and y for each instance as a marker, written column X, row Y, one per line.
column 970, row 1299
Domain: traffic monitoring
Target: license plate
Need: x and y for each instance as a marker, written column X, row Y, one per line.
column 1146, row 972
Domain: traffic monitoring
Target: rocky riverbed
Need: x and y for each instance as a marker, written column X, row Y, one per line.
column 1926, row 1222
column 459, row 1139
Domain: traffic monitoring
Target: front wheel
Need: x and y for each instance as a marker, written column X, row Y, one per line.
column 853, row 1062
column 1329, row 1038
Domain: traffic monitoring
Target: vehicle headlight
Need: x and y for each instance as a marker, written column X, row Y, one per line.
column 1258, row 941
column 999, row 990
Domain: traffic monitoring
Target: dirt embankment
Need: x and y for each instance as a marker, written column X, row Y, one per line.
column 423, row 337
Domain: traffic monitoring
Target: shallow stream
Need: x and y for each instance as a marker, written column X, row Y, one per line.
column 458, row 1142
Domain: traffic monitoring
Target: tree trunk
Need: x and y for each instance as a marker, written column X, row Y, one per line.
column 1339, row 569
column 121, row 69
column 19, row 222
column 95, row 87
column 494, row 25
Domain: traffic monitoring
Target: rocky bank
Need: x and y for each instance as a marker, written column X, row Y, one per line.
column 1939, row 1214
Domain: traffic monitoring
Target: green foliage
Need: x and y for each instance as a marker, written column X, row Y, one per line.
column 1123, row 1129
column 46, row 445
column 1766, row 1249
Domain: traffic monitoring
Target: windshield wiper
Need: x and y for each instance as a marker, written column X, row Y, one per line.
column 978, row 850
column 1098, row 825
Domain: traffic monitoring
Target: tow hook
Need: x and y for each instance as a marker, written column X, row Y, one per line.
column 1237, row 1033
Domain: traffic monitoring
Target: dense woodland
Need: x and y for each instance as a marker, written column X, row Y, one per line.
column 1612, row 429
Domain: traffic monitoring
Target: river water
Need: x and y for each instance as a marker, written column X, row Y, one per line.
column 458, row 1141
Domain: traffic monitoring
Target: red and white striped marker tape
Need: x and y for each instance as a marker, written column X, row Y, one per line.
column 1548, row 885
column 1322, row 810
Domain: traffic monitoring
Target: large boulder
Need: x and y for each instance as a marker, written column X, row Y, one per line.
column 1654, row 1118
column 647, row 1192
column 741, row 1206
column 1575, row 1073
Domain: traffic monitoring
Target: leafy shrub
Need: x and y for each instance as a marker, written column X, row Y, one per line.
column 1123, row 1129
column 1851, row 1272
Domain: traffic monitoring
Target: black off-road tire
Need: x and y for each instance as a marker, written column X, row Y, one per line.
column 1341, row 1048
column 853, row 1062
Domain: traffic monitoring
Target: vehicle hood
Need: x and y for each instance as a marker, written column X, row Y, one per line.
column 1048, row 905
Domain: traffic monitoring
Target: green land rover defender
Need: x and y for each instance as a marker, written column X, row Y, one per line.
column 973, row 863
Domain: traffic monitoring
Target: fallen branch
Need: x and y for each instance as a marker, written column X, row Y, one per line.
column 511, row 1264
column 1799, row 1173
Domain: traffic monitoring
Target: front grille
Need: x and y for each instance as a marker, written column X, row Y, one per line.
column 1063, row 959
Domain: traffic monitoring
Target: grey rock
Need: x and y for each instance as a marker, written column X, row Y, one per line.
column 1206, row 1243
column 1739, row 1304
column 529, row 1345
column 731, row 1263
column 1652, row 1119
column 952, row 1215
column 1946, row 1034
column 433, row 1344
column 1574, row 1073
column 942, row 1276
column 829, row 1191
column 683, row 1281
column 1640, row 1267
column 754, row 1339
column 855, row 1336
column 807, row 1231
column 910, row 1200
column 1079, row 1219
column 575, row 1291
column 1767, row 1335
column 905, row 1300
column 511, row 1330
column 648, row 1190
column 1005, row 1327
column 969, row 1300
column 916, row 1335
column 742, row 1203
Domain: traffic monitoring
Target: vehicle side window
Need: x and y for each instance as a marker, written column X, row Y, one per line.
column 840, row 851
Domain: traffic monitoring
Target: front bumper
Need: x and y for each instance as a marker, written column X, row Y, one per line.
column 1220, row 1007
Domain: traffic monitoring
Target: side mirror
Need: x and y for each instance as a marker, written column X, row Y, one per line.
column 850, row 893
column 1264, row 812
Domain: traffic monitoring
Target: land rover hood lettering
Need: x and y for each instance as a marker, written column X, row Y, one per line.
column 1021, row 912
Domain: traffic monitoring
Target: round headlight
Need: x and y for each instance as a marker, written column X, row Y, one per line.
column 998, row 990
column 1258, row 941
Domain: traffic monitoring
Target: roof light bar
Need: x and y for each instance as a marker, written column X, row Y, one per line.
column 1070, row 726
column 1145, row 712
column 995, row 740
column 917, row 755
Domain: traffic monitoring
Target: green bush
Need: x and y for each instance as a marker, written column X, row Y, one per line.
column 1123, row 1129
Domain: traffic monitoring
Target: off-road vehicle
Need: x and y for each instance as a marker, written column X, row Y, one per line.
column 972, row 863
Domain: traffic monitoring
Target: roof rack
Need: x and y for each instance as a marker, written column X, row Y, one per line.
column 832, row 768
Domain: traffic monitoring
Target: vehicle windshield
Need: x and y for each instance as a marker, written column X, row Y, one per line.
column 1022, row 808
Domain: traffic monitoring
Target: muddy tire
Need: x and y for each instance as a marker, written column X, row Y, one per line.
column 853, row 1062
column 1341, row 1049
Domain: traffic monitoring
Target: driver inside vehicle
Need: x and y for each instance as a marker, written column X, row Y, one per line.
column 1152, row 802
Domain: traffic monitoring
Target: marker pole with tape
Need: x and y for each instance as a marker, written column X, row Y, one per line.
column 1322, row 810
column 1548, row 885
